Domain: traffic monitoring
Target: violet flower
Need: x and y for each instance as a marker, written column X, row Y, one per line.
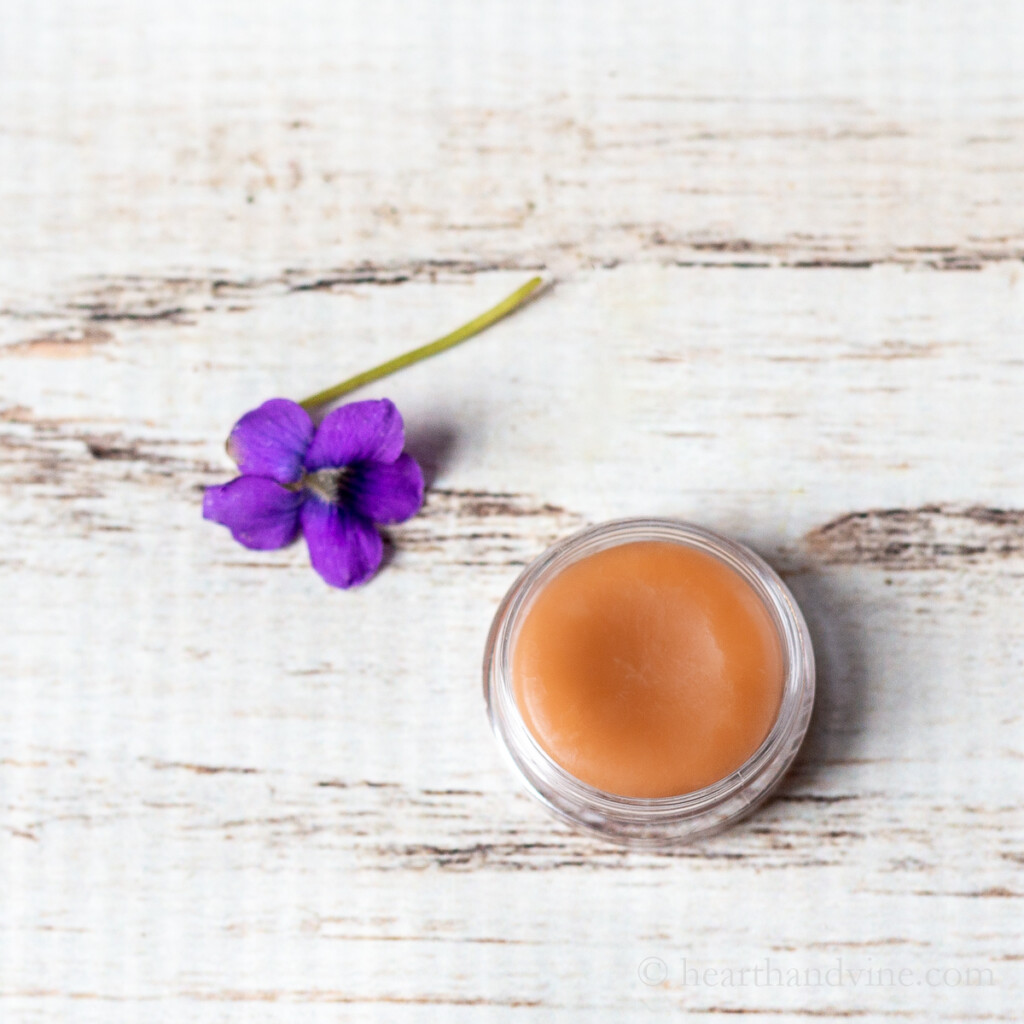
column 334, row 482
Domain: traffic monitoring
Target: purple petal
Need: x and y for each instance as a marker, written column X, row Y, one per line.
column 343, row 547
column 259, row 513
column 358, row 432
column 272, row 440
column 386, row 492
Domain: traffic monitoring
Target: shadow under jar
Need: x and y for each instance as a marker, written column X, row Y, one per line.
column 650, row 680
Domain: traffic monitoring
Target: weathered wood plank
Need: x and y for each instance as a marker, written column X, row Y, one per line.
column 307, row 769
column 326, row 142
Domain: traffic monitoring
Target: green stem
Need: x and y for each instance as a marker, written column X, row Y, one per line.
column 481, row 323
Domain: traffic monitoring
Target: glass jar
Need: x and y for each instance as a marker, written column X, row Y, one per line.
column 657, row 821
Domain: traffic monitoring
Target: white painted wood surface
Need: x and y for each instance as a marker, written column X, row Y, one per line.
column 787, row 240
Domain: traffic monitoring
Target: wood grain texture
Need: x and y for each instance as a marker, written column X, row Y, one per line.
column 787, row 245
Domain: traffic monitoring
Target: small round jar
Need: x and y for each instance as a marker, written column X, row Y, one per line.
column 663, row 820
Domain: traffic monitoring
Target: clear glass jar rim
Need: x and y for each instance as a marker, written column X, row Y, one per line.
column 530, row 758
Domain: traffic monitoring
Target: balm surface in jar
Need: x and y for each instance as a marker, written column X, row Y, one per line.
column 650, row 680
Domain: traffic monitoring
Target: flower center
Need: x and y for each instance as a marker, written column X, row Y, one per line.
column 330, row 485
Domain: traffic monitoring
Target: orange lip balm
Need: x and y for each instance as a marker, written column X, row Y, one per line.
column 650, row 680
column 648, row 669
